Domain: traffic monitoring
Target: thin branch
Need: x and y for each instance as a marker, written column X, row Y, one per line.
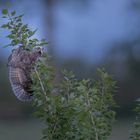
column 41, row 83
column 54, row 127
column 91, row 116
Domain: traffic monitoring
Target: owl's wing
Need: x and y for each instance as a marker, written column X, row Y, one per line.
column 20, row 58
column 19, row 74
column 21, row 84
column 14, row 58
column 23, row 77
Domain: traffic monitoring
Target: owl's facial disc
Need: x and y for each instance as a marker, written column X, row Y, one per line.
column 38, row 49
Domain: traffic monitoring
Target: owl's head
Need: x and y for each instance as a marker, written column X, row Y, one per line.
column 38, row 49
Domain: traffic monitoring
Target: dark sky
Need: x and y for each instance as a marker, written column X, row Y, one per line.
column 91, row 30
column 85, row 31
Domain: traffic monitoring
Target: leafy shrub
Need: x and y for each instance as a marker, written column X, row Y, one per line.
column 135, row 134
column 75, row 109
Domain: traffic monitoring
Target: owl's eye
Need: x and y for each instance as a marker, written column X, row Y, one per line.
column 39, row 52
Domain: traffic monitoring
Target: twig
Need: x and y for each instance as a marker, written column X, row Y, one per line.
column 41, row 84
column 91, row 116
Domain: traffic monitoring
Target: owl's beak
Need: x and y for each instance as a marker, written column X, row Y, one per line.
column 41, row 51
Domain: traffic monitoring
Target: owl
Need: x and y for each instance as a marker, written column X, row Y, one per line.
column 20, row 65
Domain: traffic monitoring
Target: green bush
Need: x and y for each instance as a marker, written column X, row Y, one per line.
column 74, row 109
column 135, row 134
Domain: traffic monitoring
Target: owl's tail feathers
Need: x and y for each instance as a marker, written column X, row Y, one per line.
column 21, row 94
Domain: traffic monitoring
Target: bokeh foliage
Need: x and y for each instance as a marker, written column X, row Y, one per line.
column 135, row 134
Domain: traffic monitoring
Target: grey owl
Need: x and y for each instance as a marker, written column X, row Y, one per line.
column 20, row 64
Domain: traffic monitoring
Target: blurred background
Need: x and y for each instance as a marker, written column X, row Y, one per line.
column 82, row 35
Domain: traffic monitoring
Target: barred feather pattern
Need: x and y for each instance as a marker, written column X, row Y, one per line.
column 18, row 85
column 20, row 64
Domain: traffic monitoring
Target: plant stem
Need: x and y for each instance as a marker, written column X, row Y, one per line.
column 54, row 128
column 41, row 84
column 10, row 17
column 91, row 116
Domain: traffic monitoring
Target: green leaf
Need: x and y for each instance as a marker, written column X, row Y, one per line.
column 31, row 33
column 44, row 43
column 13, row 13
column 33, row 40
column 4, row 16
column 15, row 42
column 11, row 36
column 4, row 26
column 5, row 11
